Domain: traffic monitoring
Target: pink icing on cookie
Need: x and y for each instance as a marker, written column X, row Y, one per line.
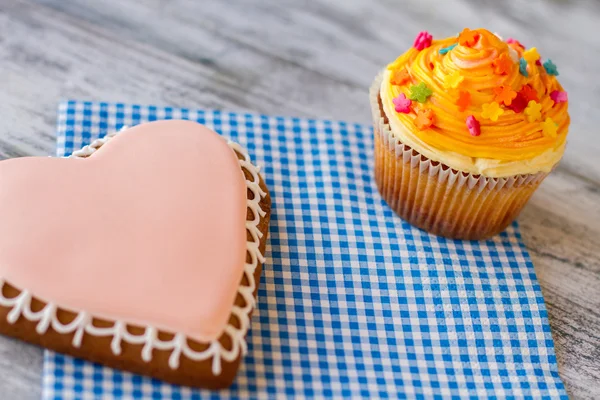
column 150, row 230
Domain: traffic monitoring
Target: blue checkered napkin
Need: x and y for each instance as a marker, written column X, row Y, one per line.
column 353, row 301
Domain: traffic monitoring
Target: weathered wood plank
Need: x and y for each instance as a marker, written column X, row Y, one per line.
column 564, row 244
column 334, row 48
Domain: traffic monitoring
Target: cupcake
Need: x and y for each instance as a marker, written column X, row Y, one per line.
column 466, row 128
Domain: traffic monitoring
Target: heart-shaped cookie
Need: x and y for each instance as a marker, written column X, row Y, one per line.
column 146, row 229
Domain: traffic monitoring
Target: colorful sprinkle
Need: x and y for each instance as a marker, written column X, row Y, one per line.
column 550, row 68
column 402, row 103
column 464, row 100
column 514, row 41
column 424, row 119
column 445, row 50
column 399, row 77
column 529, row 93
column 420, row 92
column 491, row 111
column 533, row 111
column 468, row 37
column 518, row 104
column 504, row 94
column 422, row 41
column 473, row 126
column 523, row 67
column 549, row 128
column 503, row 65
column 451, row 81
column 559, row 97
column 531, row 55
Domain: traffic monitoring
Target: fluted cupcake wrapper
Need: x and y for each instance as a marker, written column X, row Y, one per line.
column 441, row 200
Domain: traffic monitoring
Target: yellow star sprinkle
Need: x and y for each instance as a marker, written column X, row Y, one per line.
column 531, row 55
column 533, row 111
column 549, row 128
column 451, row 81
column 491, row 111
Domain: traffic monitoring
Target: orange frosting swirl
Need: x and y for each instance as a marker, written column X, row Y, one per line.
column 513, row 136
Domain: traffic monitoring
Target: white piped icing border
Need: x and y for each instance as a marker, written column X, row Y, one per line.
column 83, row 322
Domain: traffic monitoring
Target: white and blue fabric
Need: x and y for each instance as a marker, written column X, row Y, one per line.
column 353, row 302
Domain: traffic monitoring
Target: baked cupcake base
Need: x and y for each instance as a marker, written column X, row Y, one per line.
column 436, row 198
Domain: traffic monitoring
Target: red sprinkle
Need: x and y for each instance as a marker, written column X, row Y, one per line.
column 423, row 40
column 559, row 97
column 402, row 104
column 518, row 104
column 473, row 125
column 529, row 93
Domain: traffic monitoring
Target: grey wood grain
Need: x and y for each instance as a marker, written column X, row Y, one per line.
column 316, row 59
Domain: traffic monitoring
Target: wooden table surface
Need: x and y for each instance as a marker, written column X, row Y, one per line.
column 315, row 59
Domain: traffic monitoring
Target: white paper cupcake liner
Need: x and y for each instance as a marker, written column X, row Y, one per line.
column 438, row 198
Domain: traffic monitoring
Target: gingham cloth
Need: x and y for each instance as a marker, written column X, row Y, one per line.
column 353, row 301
